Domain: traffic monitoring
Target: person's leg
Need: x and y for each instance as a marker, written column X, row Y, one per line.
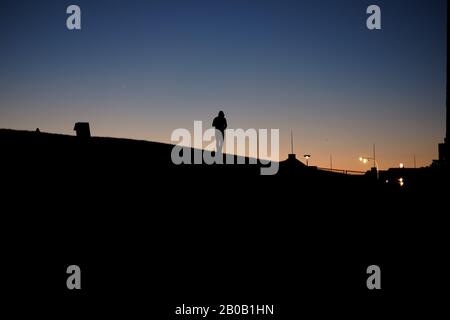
column 222, row 135
column 219, row 141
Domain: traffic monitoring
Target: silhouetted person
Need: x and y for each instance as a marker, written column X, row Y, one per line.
column 220, row 123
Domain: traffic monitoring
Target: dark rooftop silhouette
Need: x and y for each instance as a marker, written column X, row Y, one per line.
column 119, row 157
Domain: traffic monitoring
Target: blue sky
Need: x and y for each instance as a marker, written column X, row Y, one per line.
column 140, row 69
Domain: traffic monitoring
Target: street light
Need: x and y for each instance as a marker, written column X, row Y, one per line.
column 307, row 156
column 366, row 159
column 401, row 165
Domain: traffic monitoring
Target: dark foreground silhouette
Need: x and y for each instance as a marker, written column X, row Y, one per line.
column 102, row 159
column 145, row 230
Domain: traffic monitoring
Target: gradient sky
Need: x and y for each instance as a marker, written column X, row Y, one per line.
column 140, row 69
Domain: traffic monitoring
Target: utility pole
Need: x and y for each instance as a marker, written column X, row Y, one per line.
column 292, row 143
column 374, row 158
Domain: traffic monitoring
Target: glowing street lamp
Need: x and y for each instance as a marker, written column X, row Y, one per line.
column 373, row 158
column 307, row 156
column 366, row 159
column 401, row 165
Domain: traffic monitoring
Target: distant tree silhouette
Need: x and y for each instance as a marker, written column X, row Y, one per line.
column 220, row 123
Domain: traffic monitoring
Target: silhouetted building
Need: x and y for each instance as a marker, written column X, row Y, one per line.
column 82, row 129
column 444, row 148
column 444, row 152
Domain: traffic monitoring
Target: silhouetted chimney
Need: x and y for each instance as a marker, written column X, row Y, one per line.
column 82, row 129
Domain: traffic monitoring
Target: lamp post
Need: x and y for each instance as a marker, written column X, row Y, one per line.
column 367, row 159
column 307, row 156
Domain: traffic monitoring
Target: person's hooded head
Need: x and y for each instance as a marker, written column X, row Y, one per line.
column 221, row 114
